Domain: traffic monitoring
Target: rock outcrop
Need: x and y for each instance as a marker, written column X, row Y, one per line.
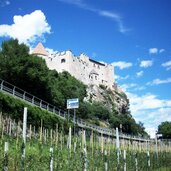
column 114, row 99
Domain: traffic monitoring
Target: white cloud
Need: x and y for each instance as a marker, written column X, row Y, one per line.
column 154, row 118
column 125, row 87
column 112, row 15
column 122, row 64
column 140, row 74
column 139, row 88
column 153, row 50
column 150, row 110
column 151, row 131
column 132, row 87
column 158, row 81
column 78, row 3
column 167, row 65
column 161, row 50
column 147, row 101
column 118, row 77
column 26, row 28
column 51, row 51
column 146, row 63
column 115, row 17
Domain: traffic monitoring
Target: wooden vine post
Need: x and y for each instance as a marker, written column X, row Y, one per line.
column 5, row 167
column 24, row 139
column 117, row 146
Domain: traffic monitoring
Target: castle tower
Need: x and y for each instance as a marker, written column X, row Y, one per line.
column 40, row 50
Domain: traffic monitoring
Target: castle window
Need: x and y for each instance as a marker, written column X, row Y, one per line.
column 63, row 60
column 94, row 65
column 96, row 77
column 91, row 77
column 98, row 67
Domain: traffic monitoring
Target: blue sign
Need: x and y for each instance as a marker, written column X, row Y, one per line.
column 72, row 103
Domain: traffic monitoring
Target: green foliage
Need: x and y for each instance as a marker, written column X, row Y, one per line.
column 102, row 86
column 14, row 108
column 94, row 110
column 100, row 111
column 38, row 156
column 165, row 129
column 66, row 87
column 122, row 95
column 30, row 73
column 84, row 111
column 126, row 123
column 23, row 70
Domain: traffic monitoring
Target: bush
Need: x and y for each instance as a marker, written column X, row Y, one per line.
column 14, row 107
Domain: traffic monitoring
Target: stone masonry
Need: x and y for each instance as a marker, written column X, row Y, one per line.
column 82, row 67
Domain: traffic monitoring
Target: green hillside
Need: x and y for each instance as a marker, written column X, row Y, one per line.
column 30, row 73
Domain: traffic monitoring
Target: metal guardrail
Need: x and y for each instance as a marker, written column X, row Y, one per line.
column 33, row 100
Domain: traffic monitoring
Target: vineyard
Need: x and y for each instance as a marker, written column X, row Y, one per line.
column 31, row 149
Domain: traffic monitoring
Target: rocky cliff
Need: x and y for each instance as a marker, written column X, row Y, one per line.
column 114, row 99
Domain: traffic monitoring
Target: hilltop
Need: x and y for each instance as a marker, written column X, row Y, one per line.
column 100, row 105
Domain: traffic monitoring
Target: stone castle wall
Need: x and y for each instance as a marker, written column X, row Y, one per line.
column 83, row 68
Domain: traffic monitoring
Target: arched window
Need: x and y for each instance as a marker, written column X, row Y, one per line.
column 63, row 60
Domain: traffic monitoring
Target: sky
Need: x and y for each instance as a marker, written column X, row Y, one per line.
column 133, row 35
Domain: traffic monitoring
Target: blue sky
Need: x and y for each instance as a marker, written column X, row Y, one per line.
column 133, row 35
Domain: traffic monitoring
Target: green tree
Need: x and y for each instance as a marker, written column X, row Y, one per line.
column 30, row 73
column 165, row 129
column 84, row 110
column 23, row 70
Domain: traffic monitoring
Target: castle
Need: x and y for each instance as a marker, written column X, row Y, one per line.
column 83, row 68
